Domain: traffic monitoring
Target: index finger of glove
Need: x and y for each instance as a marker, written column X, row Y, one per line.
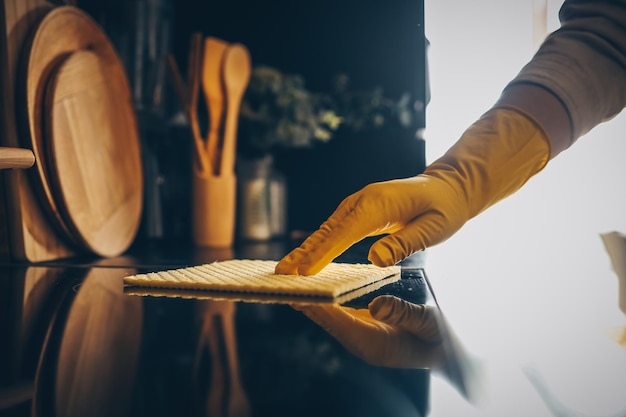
column 346, row 226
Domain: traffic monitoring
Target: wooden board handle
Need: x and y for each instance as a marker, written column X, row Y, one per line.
column 16, row 158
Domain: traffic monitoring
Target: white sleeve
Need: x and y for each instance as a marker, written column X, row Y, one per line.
column 582, row 64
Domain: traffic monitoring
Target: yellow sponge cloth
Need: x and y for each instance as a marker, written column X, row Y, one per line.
column 257, row 276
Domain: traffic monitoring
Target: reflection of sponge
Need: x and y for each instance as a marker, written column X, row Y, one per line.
column 615, row 244
column 257, row 276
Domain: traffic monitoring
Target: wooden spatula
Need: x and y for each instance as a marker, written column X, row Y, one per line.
column 212, row 87
column 236, row 70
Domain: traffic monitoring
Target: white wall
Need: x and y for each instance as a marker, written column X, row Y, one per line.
column 527, row 281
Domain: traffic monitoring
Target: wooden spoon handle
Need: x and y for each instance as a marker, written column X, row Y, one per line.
column 214, row 49
column 194, row 80
column 16, row 158
column 236, row 72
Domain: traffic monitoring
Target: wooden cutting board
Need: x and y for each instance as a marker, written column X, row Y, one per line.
column 25, row 232
column 83, row 133
column 95, row 163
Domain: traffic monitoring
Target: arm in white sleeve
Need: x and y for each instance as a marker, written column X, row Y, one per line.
column 577, row 78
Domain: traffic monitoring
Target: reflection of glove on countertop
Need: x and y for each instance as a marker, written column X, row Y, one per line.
column 493, row 159
column 392, row 333
column 395, row 333
column 417, row 319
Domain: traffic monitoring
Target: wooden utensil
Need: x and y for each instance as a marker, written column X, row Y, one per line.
column 180, row 86
column 93, row 153
column 16, row 158
column 236, row 70
column 214, row 198
column 194, row 74
column 212, row 87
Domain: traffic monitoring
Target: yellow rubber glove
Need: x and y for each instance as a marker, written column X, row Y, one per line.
column 395, row 333
column 493, row 159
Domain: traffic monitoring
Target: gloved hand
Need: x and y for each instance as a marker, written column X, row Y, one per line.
column 493, row 159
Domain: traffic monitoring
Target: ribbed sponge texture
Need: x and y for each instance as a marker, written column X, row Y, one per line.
column 257, row 276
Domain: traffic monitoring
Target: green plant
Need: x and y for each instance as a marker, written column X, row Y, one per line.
column 277, row 111
column 370, row 109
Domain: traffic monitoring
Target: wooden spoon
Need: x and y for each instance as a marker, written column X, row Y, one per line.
column 236, row 70
column 214, row 50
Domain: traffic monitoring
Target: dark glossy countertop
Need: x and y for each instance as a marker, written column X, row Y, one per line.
column 74, row 343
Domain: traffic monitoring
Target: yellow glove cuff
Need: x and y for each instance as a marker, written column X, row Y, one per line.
column 494, row 158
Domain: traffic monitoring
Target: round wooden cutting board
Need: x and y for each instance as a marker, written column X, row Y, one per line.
column 95, row 164
column 84, row 132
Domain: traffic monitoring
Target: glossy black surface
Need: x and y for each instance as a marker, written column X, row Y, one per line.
column 74, row 343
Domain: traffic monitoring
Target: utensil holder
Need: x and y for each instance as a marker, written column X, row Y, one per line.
column 214, row 210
